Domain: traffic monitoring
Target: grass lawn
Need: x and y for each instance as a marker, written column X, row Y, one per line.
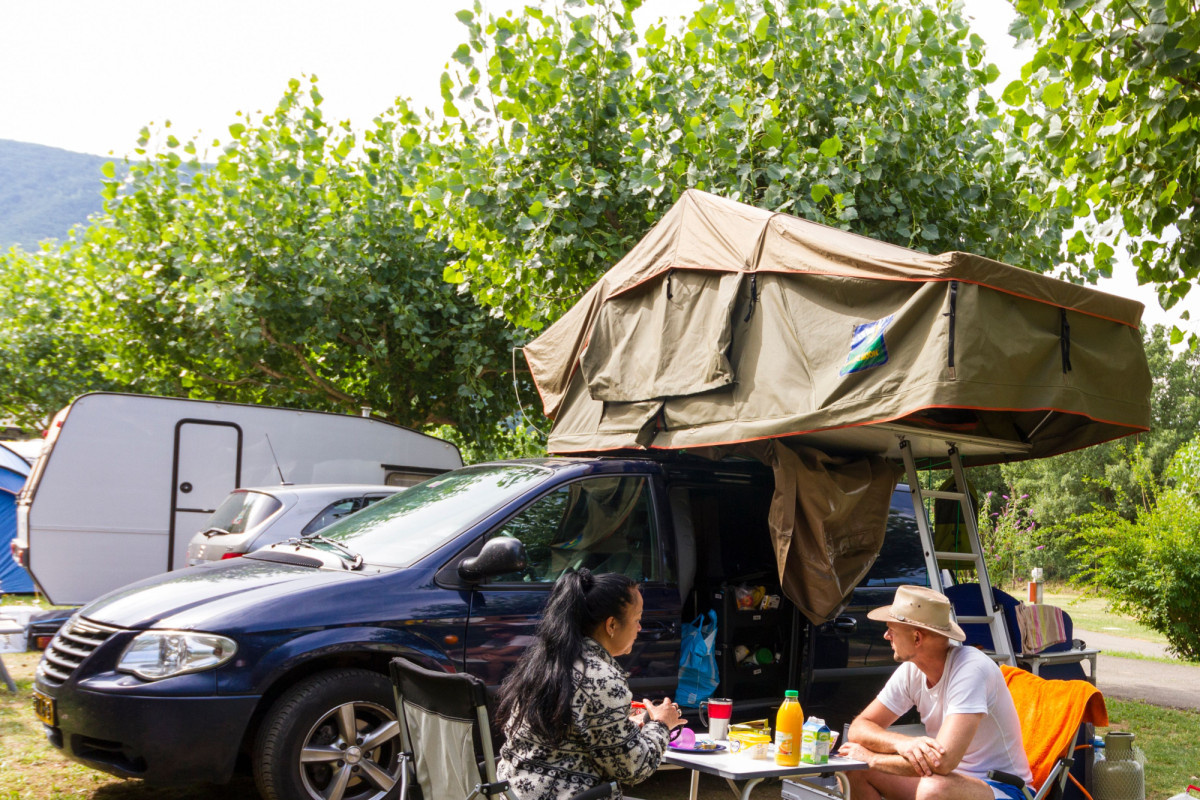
column 1091, row 613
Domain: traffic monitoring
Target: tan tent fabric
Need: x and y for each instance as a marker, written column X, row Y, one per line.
column 730, row 324
column 825, row 522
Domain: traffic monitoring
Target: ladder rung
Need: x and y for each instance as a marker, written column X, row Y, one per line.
column 939, row 495
column 954, row 555
column 976, row 620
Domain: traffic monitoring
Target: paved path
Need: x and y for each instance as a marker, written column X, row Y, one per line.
column 1174, row 685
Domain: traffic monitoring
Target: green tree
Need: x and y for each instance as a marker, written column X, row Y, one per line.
column 290, row 271
column 1111, row 102
column 1149, row 566
column 53, row 335
column 568, row 133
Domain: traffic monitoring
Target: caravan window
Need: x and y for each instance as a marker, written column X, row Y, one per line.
column 242, row 511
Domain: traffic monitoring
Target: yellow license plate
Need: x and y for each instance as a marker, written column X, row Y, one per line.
column 43, row 708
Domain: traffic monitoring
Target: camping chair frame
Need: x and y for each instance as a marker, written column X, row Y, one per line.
column 1055, row 782
column 460, row 698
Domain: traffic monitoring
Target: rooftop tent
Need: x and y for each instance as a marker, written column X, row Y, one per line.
column 728, row 324
column 13, row 471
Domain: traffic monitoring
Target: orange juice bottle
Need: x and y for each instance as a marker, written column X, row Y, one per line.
column 789, row 725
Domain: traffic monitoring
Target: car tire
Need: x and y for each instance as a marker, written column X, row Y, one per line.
column 346, row 722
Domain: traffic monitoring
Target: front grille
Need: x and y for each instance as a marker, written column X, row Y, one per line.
column 74, row 642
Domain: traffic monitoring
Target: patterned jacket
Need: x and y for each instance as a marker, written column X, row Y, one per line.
column 603, row 744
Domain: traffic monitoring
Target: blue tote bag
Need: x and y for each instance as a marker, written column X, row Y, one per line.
column 698, row 676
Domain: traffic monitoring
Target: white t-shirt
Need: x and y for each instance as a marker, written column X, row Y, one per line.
column 970, row 684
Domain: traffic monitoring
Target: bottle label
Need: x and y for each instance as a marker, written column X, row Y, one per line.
column 785, row 743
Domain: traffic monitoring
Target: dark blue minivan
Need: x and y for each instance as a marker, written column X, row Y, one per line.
column 278, row 659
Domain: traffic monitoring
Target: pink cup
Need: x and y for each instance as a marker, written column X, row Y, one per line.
column 716, row 713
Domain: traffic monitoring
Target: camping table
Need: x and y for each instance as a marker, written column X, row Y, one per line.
column 735, row 767
column 8, row 626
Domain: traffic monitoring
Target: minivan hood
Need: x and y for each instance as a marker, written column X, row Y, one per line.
column 194, row 598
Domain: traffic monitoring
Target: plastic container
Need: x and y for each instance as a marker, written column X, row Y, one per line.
column 752, row 744
column 1119, row 776
column 789, row 728
column 814, row 748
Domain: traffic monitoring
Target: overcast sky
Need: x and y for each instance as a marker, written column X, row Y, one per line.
column 86, row 75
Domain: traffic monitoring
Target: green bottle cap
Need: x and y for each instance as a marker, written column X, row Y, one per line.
column 792, row 693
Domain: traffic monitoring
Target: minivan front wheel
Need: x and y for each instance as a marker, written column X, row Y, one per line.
column 333, row 736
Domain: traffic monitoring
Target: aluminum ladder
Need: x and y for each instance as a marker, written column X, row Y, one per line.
column 995, row 619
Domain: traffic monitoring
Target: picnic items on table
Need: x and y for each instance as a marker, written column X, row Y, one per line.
column 1041, row 626
column 1120, row 775
column 789, row 728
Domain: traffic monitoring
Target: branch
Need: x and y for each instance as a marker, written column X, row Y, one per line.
column 298, row 353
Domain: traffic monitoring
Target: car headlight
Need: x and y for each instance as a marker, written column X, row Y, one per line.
column 160, row 654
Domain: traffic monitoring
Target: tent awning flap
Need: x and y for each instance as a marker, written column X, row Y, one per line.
column 828, row 517
column 669, row 338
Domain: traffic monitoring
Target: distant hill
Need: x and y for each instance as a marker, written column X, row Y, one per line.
column 44, row 191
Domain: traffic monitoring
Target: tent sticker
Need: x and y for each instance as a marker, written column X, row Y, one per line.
column 866, row 346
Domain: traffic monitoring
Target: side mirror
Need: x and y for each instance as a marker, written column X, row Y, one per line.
column 498, row 556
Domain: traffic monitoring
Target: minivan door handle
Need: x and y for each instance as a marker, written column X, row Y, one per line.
column 660, row 630
column 845, row 626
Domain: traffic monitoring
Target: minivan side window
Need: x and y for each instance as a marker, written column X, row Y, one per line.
column 604, row 524
column 901, row 560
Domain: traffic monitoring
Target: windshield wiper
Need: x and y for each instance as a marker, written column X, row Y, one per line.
column 211, row 532
column 356, row 560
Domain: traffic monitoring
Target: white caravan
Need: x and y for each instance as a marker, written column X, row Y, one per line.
column 124, row 481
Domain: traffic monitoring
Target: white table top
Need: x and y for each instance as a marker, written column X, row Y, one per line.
column 740, row 767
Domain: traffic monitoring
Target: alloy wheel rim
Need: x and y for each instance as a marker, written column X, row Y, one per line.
column 351, row 753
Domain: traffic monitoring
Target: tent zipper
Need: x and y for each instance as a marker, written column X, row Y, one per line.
column 950, row 345
column 753, row 296
column 1064, row 338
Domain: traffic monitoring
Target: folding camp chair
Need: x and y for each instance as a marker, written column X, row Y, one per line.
column 1051, row 713
column 444, row 729
column 1060, row 661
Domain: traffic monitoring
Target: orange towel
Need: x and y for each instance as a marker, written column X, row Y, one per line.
column 1051, row 713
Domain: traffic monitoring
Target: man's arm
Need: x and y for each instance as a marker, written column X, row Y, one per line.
column 917, row 756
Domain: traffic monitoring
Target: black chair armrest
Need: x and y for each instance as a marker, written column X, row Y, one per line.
column 598, row 792
column 1006, row 777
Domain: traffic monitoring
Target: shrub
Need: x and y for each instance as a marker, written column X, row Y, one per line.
column 1150, row 567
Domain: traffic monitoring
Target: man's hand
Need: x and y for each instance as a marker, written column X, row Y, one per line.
column 922, row 752
column 857, row 752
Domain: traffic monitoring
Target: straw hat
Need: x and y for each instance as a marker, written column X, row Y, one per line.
column 922, row 608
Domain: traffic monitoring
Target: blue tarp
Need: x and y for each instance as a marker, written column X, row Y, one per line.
column 13, row 471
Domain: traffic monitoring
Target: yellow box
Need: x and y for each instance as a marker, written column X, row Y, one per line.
column 750, row 744
column 753, row 726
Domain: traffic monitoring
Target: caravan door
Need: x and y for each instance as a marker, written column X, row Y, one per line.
column 207, row 467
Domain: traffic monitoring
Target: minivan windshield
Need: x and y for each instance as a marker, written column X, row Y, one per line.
column 403, row 528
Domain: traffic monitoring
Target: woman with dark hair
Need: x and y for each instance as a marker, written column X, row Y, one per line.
column 567, row 703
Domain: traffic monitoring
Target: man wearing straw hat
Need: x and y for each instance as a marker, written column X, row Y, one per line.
column 969, row 716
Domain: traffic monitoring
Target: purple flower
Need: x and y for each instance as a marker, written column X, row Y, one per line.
column 1040, row 547
column 1022, row 497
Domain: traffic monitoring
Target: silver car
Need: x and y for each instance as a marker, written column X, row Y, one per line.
column 252, row 518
